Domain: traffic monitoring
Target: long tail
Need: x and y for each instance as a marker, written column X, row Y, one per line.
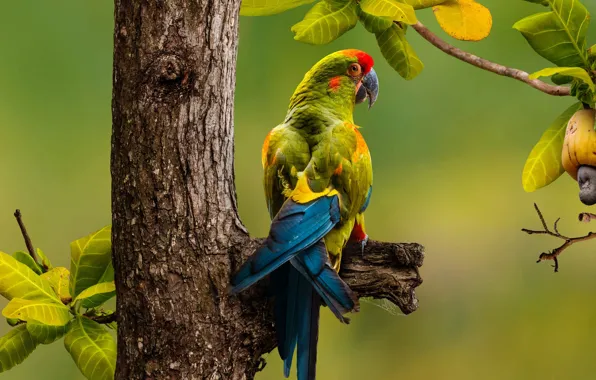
column 308, row 331
column 297, row 307
column 299, row 288
column 295, row 228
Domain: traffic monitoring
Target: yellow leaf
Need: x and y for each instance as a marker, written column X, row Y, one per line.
column 464, row 19
column 544, row 164
column 390, row 8
column 58, row 278
column 43, row 311
column 97, row 294
column 575, row 72
column 18, row 280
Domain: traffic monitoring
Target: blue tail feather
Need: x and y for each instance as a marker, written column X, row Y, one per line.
column 314, row 264
column 284, row 283
column 308, row 331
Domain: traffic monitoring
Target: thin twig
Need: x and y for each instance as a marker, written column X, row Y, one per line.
column 552, row 255
column 103, row 318
column 19, row 217
column 489, row 65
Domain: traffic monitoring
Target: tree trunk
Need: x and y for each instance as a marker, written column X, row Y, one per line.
column 177, row 236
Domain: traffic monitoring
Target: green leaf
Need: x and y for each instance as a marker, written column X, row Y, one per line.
column 18, row 280
column 582, row 91
column 58, row 278
column 326, row 21
column 92, row 348
column 97, row 294
column 374, row 24
column 90, row 260
column 269, row 7
column 398, row 52
column 544, row 164
column 421, row 4
column 390, row 8
column 561, row 79
column 13, row 321
column 43, row 311
column 15, row 347
column 574, row 72
column 559, row 35
column 45, row 334
column 45, row 262
column 541, row 2
column 25, row 258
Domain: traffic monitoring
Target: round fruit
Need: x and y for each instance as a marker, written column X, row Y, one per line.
column 579, row 147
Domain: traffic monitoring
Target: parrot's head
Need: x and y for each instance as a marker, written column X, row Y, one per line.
column 341, row 79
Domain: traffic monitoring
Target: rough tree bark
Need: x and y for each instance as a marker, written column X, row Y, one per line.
column 177, row 236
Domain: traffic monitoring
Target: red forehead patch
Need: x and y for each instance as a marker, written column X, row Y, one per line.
column 365, row 60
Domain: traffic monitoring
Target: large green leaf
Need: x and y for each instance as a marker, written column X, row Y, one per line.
column 398, row 52
column 45, row 262
column 575, row 72
column 18, row 280
column 421, row 4
column 25, row 258
column 559, row 35
column 45, row 334
column 90, row 260
column 97, row 294
column 374, row 24
column 58, row 278
column 326, row 21
column 15, row 347
column 391, row 9
column 92, row 348
column 43, row 311
column 268, row 7
column 544, row 164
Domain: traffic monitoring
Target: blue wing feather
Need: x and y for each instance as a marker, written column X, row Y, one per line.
column 295, row 228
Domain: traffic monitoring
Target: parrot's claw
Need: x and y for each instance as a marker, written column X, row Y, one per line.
column 363, row 243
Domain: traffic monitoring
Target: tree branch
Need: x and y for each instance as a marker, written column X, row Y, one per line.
column 28, row 243
column 383, row 270
column 552, row 255
column 487, row 65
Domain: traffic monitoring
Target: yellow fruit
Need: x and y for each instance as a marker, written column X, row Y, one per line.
column 579, row 147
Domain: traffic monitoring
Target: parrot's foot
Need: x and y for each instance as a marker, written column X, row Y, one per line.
column 363, row 243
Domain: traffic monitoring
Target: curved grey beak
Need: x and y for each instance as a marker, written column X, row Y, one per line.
column 369, row 88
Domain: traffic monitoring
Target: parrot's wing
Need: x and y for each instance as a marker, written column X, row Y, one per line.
column 284, row 154
column 295, row 228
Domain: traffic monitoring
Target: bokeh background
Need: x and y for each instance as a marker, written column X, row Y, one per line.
column 448, row 150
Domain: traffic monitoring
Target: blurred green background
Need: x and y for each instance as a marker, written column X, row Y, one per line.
column 448, row 150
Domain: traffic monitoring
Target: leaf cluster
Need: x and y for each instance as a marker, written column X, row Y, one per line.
column 387, row 19
column 47, row 303
column 558, row 35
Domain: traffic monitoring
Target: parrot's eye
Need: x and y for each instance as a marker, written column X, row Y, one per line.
column 354, row 70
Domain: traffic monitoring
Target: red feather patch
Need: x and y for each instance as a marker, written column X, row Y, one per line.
column 365, row 60
column 334, row 83
column 358, row 233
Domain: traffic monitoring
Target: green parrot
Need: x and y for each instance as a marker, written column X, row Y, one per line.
column 318, row 183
